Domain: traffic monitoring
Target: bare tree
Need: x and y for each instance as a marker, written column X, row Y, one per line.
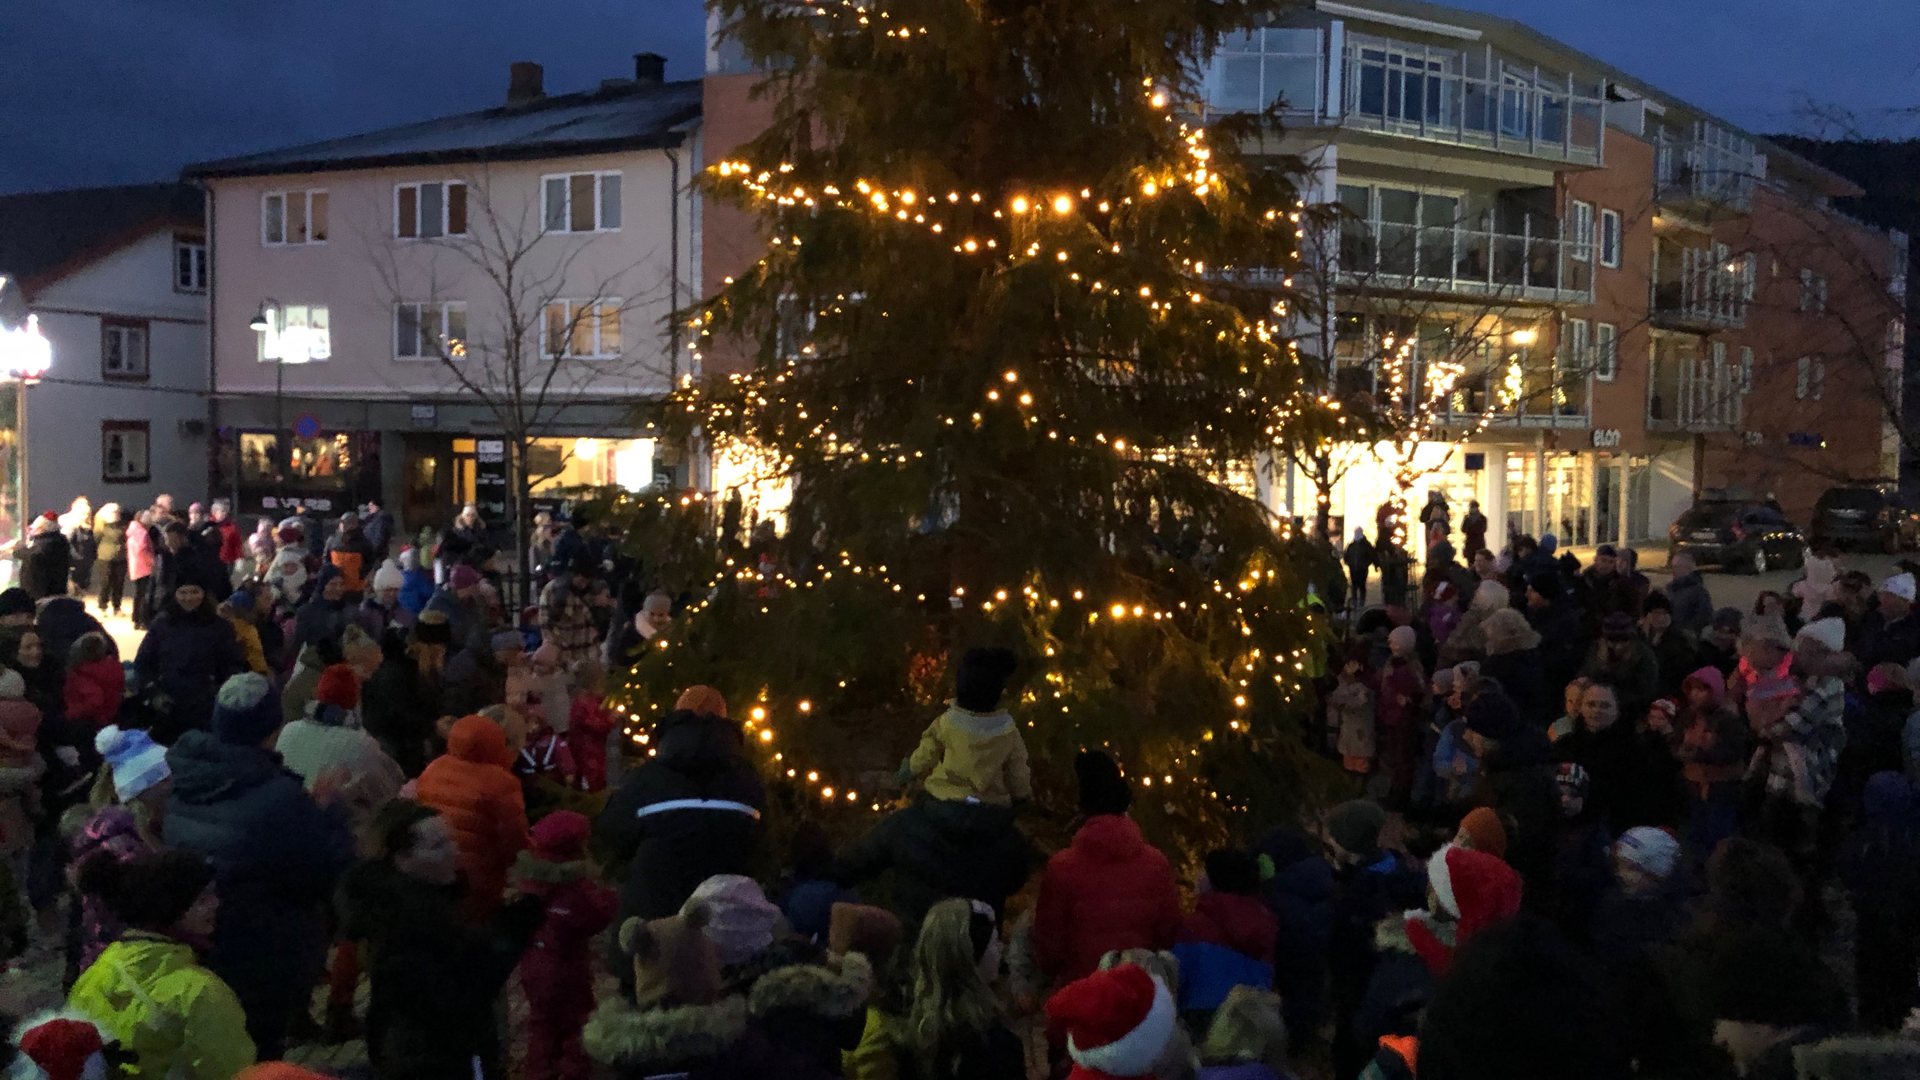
column 530, row 324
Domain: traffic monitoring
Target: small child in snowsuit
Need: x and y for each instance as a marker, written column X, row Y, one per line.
column 974, row 751
column 556, row 971
column 589, row 722
column 1350, row 718
column 545, row 767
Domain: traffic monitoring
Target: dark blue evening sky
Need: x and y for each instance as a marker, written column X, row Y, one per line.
column 113, row 91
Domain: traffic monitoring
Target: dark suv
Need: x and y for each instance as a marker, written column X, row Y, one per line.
column 1870, row 518
column 1737, row 535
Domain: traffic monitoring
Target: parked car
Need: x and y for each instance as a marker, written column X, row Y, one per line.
column 1737, row 536
column 1867, row 517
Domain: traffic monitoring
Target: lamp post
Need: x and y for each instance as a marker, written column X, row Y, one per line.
column 275, row 349
column 25, row 356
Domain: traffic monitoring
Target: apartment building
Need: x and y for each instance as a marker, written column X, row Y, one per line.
column 1633, row 299
column 116, row 280
column 388, row 306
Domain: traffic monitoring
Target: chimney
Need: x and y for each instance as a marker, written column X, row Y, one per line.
column 526, row 81
column 649, row 69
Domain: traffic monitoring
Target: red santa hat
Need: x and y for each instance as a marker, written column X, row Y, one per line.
column 60, row 1047
column 1474, row 889
column 1118, row 1022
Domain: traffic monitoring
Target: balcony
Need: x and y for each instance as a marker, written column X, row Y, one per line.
column 1522, row 388
column 1471, row 97
column 1699, row 289
column 1689, row 392
column 1480, row 264
column 1706, row 168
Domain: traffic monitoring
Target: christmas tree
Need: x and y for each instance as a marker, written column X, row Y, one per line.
column 1003, row 348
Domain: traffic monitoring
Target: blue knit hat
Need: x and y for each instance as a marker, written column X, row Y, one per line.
column 246, row 711
column 136, row 761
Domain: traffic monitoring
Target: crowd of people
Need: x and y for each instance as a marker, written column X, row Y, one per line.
column 1597, row 831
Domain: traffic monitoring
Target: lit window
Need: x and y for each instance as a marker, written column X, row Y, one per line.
column 298, row 334
column 290, row 218
column 425, row 211
column 581, row 202
column 583, row 329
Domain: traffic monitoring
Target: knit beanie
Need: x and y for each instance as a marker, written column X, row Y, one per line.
column 1653, row 851
column 981, row 678
column 740, row 918
column 703, row 700
column 12, row 686
column 1102, row 789
column 389, row 577
column 1118, row 1022
column 246, row 710
column 871, row 931
column 432, row 628
column 241, row 600
column 561, row 837
column 1493, row 716
column 463, row 577
column 674, row 961
column 1483, row 826
column 57, row 1047
column 1830, row 631
column 338, row 686
column 15, row 601
column 1355, row 825
column 136, row 762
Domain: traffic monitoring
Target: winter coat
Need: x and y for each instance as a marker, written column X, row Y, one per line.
column 63, row 620
column 974, row 754
column 1563, row 640
column 276, row 856
column 93, row 692
column 1300, row 893
column 1399, row 987
column 692, row 811
column 318, row 620
column 1799, row 752
column 247, row 635
column 48, row 564
column 399, row 706
column 589, row 722
column 1894, row 642
column 937, row 849
column 689, row 1042
column 1109, row 889
column 434, row 977
column 1241, row 923
column 112, row 829
column 812, row 1013
column 466, row 621
column 232, row 546
column 353, row 557
column 1674, row 656
column 188, row 655
column 1618, row 769
column 1350, row 710
column 1359, row 557
column 557, row 970
column 140, row 554
column 1692, row 606
column 297, row 694
column 110, row 541
column 19, row 797
column 474, row 789
column 1635, row 677
column 993, row 1054
column 1517, row 779
column 322, row 743
column 180, row 1021
column 417, row 591
column 1519, row 672
column 1609, row 594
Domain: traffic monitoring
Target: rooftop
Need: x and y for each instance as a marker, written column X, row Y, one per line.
column 618, row 116
column 44, row 235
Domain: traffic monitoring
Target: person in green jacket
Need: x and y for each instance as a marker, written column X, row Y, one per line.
column 148, row 991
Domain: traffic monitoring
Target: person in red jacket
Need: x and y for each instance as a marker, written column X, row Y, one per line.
column 1109, row 890
column 589, row 722
column 557, row 970
column 474, row 789
column 96, row 682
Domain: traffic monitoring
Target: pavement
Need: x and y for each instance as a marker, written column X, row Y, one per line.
column 1741, row 590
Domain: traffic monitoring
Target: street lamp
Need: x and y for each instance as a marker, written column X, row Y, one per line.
column 25, row 356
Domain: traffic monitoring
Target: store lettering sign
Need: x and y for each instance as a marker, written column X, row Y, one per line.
column 1606, row 438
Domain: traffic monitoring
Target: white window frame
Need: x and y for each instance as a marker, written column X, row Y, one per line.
column 446, row 209
column 1819, row 377
column 195, row 278
column 136, row 340
column 1578, row 344
column 599, row 201
column 315, row 323
column 596, row 321
column 1611, row 239
column 1606, row 351
column 308, row 197
column 132, row 434
column 443, row 315
column 1746, row 369
column 1810, row 381
column 1582, row 214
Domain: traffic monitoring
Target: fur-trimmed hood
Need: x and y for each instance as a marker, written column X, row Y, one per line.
column 827, row 992
column 529, row 867
column 1391, row 936
column 621, row 1035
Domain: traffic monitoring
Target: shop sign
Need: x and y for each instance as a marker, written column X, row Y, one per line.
column 424, row 416
column 1606, row 438
column 490, row 478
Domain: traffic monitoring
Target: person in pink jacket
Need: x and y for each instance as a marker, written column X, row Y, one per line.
column 140, row 566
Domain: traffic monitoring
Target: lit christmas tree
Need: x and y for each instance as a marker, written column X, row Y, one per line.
column 998, row 347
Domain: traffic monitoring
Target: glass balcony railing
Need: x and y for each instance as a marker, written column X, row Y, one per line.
column 1709, row 165
column 1693, row 393
column 1466, row 96
column 1469, row 262
column 1520, row 388
column 1708, row 289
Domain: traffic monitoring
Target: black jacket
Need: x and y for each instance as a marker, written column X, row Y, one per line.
column 433, row 977
column 187, row 655
column 1563, row 641
column 49, row 561
column 1692, row 605
column 938, row 849
column 62, row 621
column 1519, row 674
column 691, row 812
column 1621, row 775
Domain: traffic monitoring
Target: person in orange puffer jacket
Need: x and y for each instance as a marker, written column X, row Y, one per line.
column 1109, row 890
column 474, row 789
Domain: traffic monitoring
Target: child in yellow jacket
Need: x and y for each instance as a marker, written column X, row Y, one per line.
column 974, row 750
